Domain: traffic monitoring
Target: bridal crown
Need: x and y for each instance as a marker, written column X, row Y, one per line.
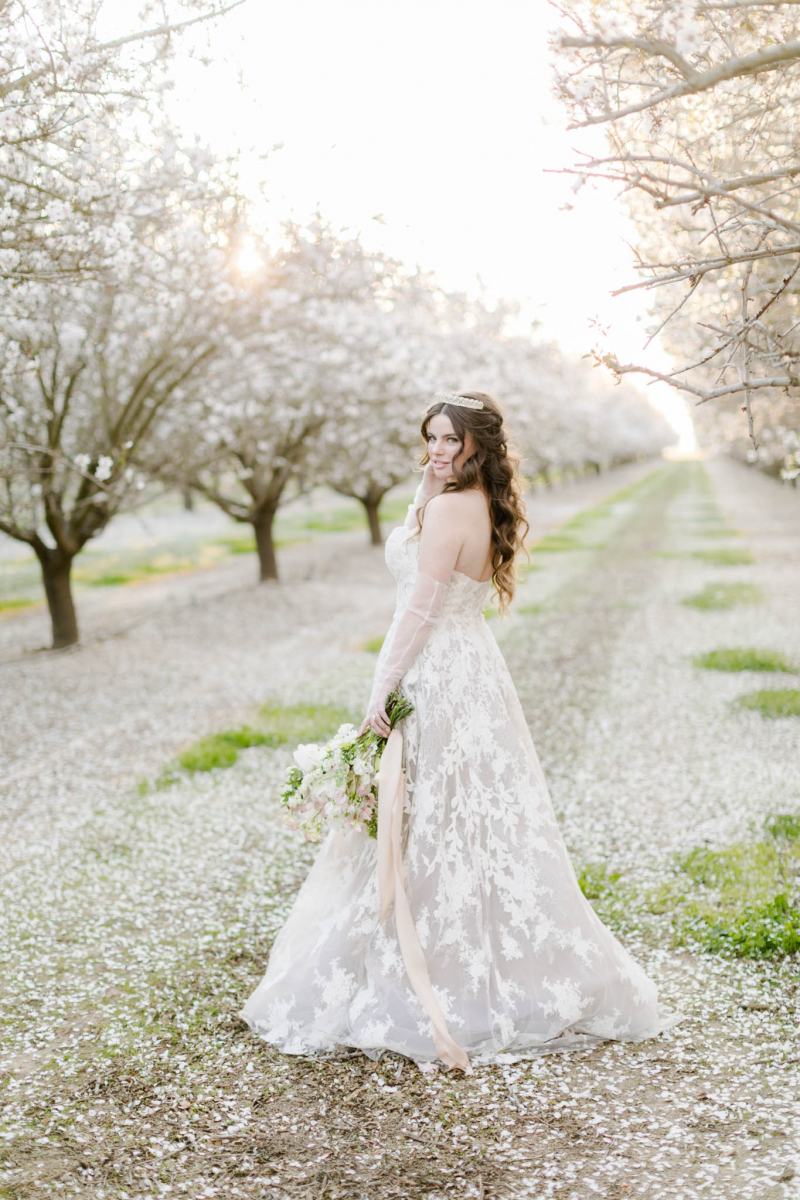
column 461, row 401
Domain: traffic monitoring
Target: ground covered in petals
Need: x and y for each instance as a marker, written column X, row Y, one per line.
column 144, row 878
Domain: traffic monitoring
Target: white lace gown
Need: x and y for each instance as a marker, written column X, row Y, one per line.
column 518, row 959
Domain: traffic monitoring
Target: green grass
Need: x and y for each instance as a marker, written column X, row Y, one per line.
column 739, row 901
column 220, row 750
column 337, row 520
column 783, row 702
column 725, row 558
column 394, row 509
column 529, row 608
column 784, row 827
column 115, row 569
column 743, row 660
column 632, row 490
column 237, row 545
column 717, row 529
column 718, row 558
column 285, row 724
column 275, row 725
column 596, row 881
column 588, row 516
column 524, row 569
column 612, row 896
column 96, row 568
column 583, row 520
column 11, row 605
column 490, row 613
column 724, row 595
column 247, row 545
column 768, row 930
column 344, row 519
column 113, row 578
column 374, row 645
column 554, row 543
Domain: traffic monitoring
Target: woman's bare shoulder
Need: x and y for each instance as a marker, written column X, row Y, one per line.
column 456, row 503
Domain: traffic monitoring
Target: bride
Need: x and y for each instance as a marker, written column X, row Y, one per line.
column 462, row 934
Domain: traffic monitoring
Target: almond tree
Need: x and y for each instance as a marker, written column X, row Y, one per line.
column 68, row 192
column 105, row 221
column 398, row 353
column 274, row 410
column 88, row 373
column 698, row 100
column 245, row 435
column 564, row 415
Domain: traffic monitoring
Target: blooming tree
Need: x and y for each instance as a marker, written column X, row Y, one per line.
column 565, row 416
column 274, row 409
column 106, row 223
column 698, row 100
column 246, row 438
column 398, row 353
column 80, row 130
column 88, row 374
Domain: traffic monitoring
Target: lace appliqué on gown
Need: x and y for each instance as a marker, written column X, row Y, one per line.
column 518, row 959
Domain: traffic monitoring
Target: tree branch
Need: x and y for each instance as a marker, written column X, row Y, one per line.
column 103, row 47
column 703, row 266
column 770, row 58
column 704, row 394
column 163, row 30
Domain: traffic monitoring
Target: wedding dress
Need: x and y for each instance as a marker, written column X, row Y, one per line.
column 501, row 954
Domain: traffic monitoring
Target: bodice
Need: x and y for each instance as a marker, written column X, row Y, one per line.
column 465, row 597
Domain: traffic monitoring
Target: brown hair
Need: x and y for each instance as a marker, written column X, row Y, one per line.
column 495, row 469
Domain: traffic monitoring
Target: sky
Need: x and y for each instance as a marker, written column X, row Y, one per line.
column 430, row 127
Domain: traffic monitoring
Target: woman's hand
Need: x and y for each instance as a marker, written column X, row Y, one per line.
column 376, row 719
column 431, row 485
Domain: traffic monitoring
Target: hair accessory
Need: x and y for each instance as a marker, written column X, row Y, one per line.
column 461, row 401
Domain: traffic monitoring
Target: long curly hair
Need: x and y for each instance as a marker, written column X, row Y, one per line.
column 494, row 468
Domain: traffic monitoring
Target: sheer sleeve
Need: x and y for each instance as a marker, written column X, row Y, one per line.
column 421, row 498
column 409, row 636
column 440, row 541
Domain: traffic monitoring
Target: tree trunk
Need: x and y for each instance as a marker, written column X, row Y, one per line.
column 262, row 526
column 188, row 499
column 371, row 507
column 372, row 502
column 56, row 568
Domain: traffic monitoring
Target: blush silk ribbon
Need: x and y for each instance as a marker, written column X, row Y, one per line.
column 391, row 802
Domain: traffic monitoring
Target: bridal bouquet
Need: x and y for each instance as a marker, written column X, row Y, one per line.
column 338, row 782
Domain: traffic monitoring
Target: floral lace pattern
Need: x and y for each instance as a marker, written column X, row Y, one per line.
column 518, row 959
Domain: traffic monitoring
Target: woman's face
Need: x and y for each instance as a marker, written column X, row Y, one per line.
column 445, row 449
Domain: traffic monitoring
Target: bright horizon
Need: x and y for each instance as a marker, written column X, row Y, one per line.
column 433, row 135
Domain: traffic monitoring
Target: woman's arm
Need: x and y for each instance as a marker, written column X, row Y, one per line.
column 429, row 486
column 441, row 539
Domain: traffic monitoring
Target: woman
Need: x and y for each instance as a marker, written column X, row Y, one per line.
column 463, row 933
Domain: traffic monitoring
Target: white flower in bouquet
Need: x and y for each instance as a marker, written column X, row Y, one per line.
column 338, row 783
column 309, row 756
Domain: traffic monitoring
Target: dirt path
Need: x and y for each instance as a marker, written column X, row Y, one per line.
column 135, row 924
